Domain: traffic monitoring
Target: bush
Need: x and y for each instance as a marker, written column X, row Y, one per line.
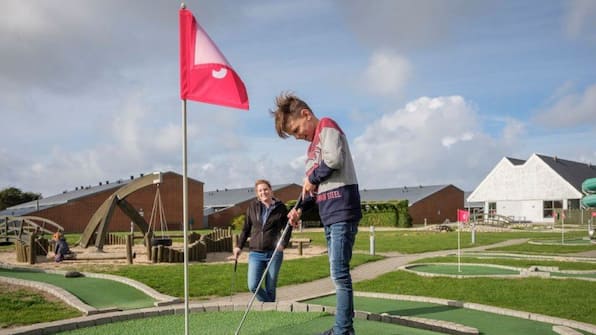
column 238, row 222
column 386, row 214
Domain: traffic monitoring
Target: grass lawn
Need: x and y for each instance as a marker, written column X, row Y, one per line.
column 96, row 292
column 24, row 306
column 529, row 248
column 208, row 280
column 262, row 323
column 568, row 299
column 412, row 242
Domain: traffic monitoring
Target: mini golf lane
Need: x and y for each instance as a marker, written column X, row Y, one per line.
column 463, row 270
column 486, row 323
column 257, row 322
column 96, row 292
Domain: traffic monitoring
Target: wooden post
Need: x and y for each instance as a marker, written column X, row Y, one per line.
column 31, row 252
column 148, row 238
column 129, row 242
column 160, row 257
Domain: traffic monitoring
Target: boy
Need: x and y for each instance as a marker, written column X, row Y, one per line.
column 331, row 182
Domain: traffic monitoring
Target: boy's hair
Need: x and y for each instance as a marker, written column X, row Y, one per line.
column 288, row 106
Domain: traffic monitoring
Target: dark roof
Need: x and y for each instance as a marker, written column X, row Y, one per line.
column 411, row 193
column 66, row 196
column 230, row 197
column 59, row 199
column 575, row 173
column 516, row 161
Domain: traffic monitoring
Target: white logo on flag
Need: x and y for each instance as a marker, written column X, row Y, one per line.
column 219, row 74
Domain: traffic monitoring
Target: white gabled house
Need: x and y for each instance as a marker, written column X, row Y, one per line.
column 530, row 190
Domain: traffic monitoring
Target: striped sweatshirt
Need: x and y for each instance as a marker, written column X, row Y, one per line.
column 329, row 166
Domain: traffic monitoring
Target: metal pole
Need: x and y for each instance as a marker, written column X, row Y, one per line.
column 185, row 213
column 372, row 240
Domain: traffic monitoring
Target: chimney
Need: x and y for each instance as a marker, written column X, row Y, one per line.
column 555, row 158
column 132, row 177
column 100, row 183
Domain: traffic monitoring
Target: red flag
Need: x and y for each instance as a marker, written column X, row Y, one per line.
column 594, row 214
column 463, row 216
column 205, row 74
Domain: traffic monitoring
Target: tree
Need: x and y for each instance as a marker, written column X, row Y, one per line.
column 12, row 196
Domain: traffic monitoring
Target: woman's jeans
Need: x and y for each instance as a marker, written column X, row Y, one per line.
column 257, row 262
column 340, row 241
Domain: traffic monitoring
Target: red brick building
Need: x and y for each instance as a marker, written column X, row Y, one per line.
column 73, row 209
column 222, row 206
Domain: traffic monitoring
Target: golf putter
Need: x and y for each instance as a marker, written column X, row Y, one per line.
column 233, row 286
column 281, row 238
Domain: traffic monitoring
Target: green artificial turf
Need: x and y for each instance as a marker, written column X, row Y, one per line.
column 486, row 323
column 518, row 262
column 569, row 299
column 96, row 292
column 262, row 323
column 463, row 269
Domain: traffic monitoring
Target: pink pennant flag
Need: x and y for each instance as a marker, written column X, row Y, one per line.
column 594, row 214
column 205, row 74
column 463, row 216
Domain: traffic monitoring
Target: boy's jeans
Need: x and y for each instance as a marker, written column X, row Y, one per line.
column 257, row 262
column 340, row 241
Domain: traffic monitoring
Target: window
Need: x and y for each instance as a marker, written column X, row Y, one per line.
column 492, row 208
column 572, row 203
column 549, row 206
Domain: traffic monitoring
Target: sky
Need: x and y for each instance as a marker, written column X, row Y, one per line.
column 428, row 92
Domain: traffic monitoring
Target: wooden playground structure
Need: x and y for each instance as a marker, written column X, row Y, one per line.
column 28, row 235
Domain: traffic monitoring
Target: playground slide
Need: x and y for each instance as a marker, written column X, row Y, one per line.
column 589, row 200
column 589, row 185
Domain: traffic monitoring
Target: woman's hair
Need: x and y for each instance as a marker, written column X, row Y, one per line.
column 287, row 106
column 262, row 181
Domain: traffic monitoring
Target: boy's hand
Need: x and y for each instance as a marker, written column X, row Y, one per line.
column 308, row 188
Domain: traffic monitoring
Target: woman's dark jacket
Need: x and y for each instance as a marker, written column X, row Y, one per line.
column 264, row 237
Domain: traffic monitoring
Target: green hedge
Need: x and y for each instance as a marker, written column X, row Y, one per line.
column 386, row 214
column 377, row 213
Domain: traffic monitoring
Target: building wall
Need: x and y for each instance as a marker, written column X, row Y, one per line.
column 75, row 215
column 519, row 190
column 224, row 217
column 438, row 207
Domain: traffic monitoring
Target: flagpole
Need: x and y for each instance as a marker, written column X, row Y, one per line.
column 458, row 246
column 185, row 212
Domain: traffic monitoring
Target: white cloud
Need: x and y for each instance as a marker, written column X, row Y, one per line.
column 579, row 21
column 387, row 73
column 570, row 110
column 429, row 141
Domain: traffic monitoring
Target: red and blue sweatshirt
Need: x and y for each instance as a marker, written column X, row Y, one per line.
column 329, row 166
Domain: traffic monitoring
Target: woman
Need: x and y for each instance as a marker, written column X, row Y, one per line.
column 266, row 218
